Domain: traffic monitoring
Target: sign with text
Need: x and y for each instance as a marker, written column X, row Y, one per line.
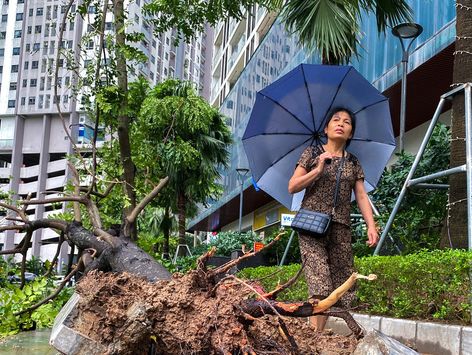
column 286, row 219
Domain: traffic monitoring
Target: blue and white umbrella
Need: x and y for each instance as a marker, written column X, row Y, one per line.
column 290, row 114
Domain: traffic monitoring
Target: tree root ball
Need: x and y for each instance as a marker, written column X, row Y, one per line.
column 129, row 315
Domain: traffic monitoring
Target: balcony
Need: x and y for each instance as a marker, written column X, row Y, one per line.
column 6, row 143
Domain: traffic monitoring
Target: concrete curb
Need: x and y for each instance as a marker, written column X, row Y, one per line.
column 425, row 337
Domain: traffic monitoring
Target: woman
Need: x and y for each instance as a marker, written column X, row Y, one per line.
column 329, row 260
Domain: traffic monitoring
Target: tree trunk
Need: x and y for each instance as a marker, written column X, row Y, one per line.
column 125, row 256
column 166, row 232
column 455, row 233
column 181, row 207
column 123, row 118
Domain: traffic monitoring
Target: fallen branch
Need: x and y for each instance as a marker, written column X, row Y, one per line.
column 225, row 267
column 273, row 294
column 146, row 200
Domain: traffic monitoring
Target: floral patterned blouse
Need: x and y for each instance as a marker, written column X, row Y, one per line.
column 320, row 195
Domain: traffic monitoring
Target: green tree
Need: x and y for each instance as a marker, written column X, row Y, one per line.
column 333, row 26
column 191, row 139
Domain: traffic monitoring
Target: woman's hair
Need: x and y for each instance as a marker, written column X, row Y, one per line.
column 351, row 114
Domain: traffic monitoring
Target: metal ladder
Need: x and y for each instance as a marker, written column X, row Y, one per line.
column 421, row 181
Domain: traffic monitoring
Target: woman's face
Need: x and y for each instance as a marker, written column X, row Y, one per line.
column 339, row 127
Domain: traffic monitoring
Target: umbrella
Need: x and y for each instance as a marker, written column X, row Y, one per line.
column 290, row 114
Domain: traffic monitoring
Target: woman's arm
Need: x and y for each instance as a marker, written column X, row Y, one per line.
column 302, row 178
column 366, row 210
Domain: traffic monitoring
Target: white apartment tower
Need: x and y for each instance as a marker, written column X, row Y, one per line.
column 33, row 141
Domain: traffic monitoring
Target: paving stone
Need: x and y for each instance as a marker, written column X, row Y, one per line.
column 438, row 339
column 400, row 329
column 466, row 341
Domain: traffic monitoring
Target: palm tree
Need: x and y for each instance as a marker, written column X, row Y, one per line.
column 455, row 233
column 333, row 26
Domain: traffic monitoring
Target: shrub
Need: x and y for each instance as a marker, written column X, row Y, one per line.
column 424, row 285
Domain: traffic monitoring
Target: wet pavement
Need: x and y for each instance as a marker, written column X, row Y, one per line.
column 33, row 342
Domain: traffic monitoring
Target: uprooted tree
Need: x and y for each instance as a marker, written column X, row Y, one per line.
column 129, row 302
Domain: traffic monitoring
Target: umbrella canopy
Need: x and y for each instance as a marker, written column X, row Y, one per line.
column 290, row 114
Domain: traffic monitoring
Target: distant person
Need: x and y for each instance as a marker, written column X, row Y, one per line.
column 329, row 260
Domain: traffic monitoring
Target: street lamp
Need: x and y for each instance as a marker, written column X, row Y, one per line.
column 405, row 31
column 242, row 172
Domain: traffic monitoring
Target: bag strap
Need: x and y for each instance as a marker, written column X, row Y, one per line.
column 338, row 179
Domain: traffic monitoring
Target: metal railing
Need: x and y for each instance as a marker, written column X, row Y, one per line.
column 420, row 182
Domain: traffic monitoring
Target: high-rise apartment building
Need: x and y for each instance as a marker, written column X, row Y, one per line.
column 33, row 138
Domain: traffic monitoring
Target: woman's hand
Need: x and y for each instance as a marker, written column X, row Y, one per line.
column 303, row 178
column 372, row 236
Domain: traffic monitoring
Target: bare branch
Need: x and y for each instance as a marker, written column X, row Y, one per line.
column 19, row 212
column 97, row 85
column 134, row 214
column 54, row 200
column 53, row 295
column 107, row 237
column 225, row 267
column 56, row 256
column 24, row 251
column 76, row 181
column 98, row 194
column 13, row 227
column 10, row 251
column 273, row 294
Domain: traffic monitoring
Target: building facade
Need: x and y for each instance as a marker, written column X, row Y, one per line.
column 430, row 75
column 34, row 138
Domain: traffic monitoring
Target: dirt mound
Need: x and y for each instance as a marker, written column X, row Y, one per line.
column 129, row 315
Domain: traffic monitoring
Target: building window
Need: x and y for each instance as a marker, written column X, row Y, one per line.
column 26, row 66
column 37, row 29
column 23, row 101
column 13, row 85
column 31, row 100
column 40, row 101
column 33, row 83
column 45, row 48
column 3, row 34
column 39, row 11
column 29, row 30
column 17, row 34
column 36, row 47
column 108, row 26
column 31, row 11
column 46, row 102
column 1, row 68
column 4, row 18
column 11, row 103
column 71, row 26
column 65, row 98
column 136, row 19
column 6, row 2
column 21, row 1
column 89, row 44
column 91, row 9
column 27, row 47
column 2, row 52
column 19, row 16
column 41, row 83
column 34, row 64
column 25, row 83
column 16, row 51
column 67, row 81
column 14, row 68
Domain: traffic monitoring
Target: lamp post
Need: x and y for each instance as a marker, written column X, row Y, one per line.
column 405, row 31
column 242, row 172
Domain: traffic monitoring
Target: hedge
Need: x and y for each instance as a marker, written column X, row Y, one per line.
column 428, row 285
